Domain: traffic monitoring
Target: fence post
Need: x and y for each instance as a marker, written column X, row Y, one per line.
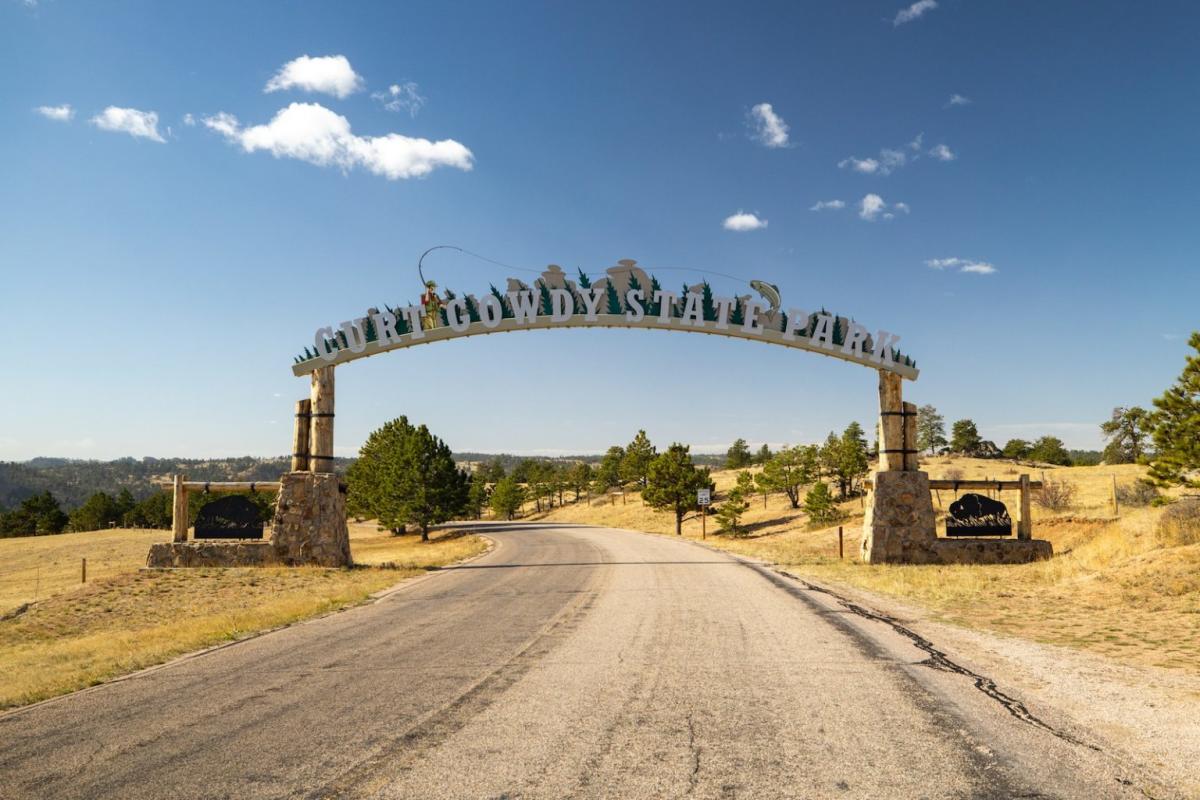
column 1025, row 524
column 841, row 548
column 83, row 572
column 179, row 511
column 1116, row 506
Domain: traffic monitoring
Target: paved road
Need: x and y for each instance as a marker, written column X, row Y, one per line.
column 570, row 662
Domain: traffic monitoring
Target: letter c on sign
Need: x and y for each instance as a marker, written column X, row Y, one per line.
column 321, row 340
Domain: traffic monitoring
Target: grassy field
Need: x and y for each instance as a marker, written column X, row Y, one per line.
column 125, row 618
column 1112, row 588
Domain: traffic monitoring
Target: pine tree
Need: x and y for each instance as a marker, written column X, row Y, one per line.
column 608, row 474
column 544, row 297
column 636, row 461
column 507, row 498
column 737, row 316
column 730, row 512
column 1126, row 432
column 584, row 281
column 472, row 309
column 653, row 307
column 738, row 455
column 614, row 304
column 820, row 506
column 1176, row 426
column 707, row 307
column 633, row 285
column 964, row 438
column 789, row 470
column 672, row 482
column 931, row 429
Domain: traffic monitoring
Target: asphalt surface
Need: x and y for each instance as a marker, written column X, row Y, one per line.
column 570, row 662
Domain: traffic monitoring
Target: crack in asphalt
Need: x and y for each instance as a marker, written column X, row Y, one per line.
column 694, row 778
column 940, row 661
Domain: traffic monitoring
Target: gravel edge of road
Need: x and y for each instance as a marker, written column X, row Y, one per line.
column 371, row 599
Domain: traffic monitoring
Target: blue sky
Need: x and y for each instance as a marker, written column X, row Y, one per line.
column 158, row 276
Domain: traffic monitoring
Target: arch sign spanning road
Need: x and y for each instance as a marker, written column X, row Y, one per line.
column 626, row 297
column 310, row 517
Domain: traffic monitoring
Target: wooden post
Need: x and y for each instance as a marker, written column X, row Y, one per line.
column 320, row 443
column 891, row 422
column 841, row 548
column 303, row 424
column 179, row 511
column 911, row 462
column 1116, row 506
column 83, row 571
column 703, row 522
column 1025, row 523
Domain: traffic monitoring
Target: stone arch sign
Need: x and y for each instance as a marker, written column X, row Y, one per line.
column 899, row 526
column 625, row 297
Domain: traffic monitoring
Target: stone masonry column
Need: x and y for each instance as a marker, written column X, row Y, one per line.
column 899, row 525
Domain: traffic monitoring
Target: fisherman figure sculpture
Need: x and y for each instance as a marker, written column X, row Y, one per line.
column 432, row 305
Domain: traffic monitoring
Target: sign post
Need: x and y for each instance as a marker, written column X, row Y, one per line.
column 703, row 499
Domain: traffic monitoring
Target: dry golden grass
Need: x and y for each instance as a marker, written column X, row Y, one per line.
column 79, row 635
column 1112, row 587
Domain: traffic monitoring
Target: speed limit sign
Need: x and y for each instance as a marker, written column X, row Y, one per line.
column 703, row 497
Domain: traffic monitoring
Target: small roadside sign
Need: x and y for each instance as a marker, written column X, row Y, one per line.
column 703, row 497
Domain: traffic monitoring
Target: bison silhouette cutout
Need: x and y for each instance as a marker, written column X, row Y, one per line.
column 232, row 517
column 977, row 515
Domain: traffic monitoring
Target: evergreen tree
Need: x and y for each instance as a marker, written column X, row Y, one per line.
column 730, row 512
column 1175, row 423
column 579, row 478
column 153, row 512
column 820, row 506
column 633, row 284
column 477, row 496
column 653, row 307
column 707, row 307
column 608, row 474
column 98, row 513
column 1126, row 433
column 612, row 301
column 636, row 461
column 507, row 498
column 407, row 475
column 547, row 307
column 1016, row 449
column 789, row 470
column 964, row 438
column 738, row 455
column 737, row 315
column 584, row 281
column 763, row 455
column 1050, row 450
column 845, row 458
column 672, row 483
column 35, row 516
column 931, row 429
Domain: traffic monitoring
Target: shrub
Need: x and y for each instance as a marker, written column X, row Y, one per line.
column 952, row 474
column 1180, row 524
column 1136, row 494
column 820, row 505
column 1055, row 495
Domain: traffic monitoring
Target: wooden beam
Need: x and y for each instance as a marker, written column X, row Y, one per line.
column 179, row 510
column 1000, row 485
column 1025, row 524
column 300, row 433
column 221, row 486
column 891, row 422
column 912, row 459
column 320, row 443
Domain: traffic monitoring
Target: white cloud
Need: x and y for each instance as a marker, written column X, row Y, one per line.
column 189, row 120
column 958, row 100
column 328, row 74
column 62, row 113
column 139, row 124
column 769, row 128
column 942, row 153
column 743, row 221
column 310, row 132
column 978, row 268
column 915, row 11
column 867, row 166
column 870, row 207
column 821, row 205
column 902, row 207
column 915, row 144
column 967, row 265
column 401, row 97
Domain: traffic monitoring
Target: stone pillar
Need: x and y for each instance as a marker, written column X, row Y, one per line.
column 899, row 525
column 320, row 447
column 310, row 521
